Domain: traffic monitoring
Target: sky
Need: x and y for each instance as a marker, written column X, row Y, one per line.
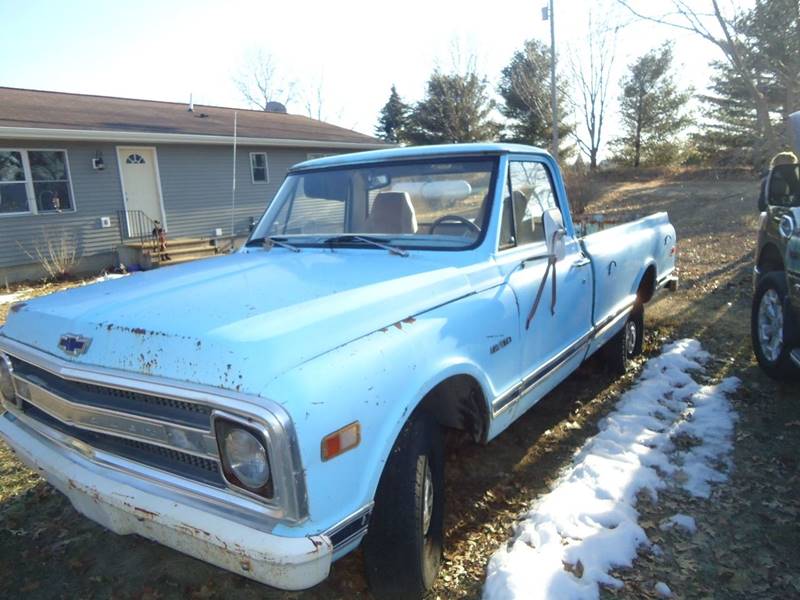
column 354, row 51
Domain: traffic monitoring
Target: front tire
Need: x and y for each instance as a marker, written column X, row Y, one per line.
column 771, row 327
column 403, row 545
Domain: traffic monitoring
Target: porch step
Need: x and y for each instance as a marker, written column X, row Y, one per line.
column 181, row 258
column 178, row 249
column 172, row 243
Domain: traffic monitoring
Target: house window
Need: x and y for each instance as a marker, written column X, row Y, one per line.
column 259, row 172
column 135, row 159
column 313, row 155
column 34, row 181
column 13, row 189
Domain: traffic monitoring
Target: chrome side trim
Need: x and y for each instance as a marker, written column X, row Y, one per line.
column 541, row 374
column 176, row 437
column 146, row 479
column 796, row 356
column 291, row 500
column 506, row 399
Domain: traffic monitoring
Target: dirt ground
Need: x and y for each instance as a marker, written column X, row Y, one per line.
column 747, row 538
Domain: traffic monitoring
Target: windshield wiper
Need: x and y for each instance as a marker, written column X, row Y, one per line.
column 268, row 242
column 364, row 239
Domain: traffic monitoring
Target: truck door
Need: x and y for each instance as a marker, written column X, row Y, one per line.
column 554, row 342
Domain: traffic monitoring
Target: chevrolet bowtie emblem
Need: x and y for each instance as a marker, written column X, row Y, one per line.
column 74, row 344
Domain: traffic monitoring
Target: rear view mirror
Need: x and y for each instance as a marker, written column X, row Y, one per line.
column 784, row 185
column 328, row 185
column 447, row 192
column 554, row 233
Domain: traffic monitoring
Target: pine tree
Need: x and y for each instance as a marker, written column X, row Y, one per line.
column 769, row 35
column 456, row 108
column 652, row 110
column 393, row 118
column 525, row 90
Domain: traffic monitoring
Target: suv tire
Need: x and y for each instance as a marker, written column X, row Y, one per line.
column 772, row 328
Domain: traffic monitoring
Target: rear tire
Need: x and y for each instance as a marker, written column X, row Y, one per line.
column 403, row 545
column 627, row 343
column 772, row 329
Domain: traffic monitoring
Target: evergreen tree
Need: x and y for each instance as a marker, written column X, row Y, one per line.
column 456, row 108
column 525, row 90
column 652, row 110
column 393, row 118
column 769, row 34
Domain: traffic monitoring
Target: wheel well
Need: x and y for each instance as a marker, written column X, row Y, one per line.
column 458, row 402
column 770, row 260
column 647, row 286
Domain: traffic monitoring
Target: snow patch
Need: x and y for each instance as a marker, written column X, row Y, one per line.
column 662, row 589
column 10, row 298
column 667, row 430
column 105, row 277
column 680, row 520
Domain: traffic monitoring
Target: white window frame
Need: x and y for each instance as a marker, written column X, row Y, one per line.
column 266, row 169
column 33, row 208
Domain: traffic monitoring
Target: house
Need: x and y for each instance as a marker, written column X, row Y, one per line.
column 92, row 174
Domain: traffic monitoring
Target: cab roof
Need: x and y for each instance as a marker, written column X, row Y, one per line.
column 411, row 152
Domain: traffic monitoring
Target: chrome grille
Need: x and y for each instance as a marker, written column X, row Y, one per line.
column 166, row 433
column 166, row 459
column 126, row 401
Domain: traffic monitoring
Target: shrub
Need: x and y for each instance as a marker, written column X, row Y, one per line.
column 57, row 255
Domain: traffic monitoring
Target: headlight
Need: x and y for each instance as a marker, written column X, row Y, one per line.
column 7, row 392
column 244, row 457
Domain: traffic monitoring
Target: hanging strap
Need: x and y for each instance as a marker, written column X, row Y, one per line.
column 551, row 268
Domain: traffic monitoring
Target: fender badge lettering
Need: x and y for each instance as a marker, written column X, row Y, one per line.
column 500, row 345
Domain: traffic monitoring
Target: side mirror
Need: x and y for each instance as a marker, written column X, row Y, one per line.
column 784, row 185
column 554, row 233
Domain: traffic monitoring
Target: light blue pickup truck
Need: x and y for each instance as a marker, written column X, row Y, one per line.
column 270, row 410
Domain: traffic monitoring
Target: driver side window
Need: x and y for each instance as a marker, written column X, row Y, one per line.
column 529, row 192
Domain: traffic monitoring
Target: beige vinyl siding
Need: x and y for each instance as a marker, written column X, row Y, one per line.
column 96, row 194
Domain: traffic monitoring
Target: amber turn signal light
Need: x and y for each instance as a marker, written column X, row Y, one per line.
column 339, row 442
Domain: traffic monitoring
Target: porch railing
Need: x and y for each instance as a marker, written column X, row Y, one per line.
column 135, row 225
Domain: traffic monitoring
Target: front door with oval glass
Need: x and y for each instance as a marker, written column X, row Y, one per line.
column 142, row 190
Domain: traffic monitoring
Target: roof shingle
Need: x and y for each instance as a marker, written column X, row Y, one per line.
column 59, row 110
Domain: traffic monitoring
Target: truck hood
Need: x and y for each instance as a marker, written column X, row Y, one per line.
column 237, row 321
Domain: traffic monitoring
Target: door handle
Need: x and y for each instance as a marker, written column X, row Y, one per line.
column 582, row 262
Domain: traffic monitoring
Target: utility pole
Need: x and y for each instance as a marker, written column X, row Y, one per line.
column 553, row 95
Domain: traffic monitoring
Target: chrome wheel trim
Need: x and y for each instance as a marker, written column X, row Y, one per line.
column 770, row 325
column 427, row 499
column 630, row 338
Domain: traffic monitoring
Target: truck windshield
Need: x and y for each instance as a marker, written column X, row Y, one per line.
column 417, row 204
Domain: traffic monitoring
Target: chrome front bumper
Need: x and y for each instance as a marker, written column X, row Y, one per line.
column 127, row 504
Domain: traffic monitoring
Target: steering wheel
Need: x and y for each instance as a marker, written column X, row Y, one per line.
column 454, row 219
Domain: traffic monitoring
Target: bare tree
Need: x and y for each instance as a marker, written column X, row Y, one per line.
column 261, row 81
column 592, row 74
column 720, row 30
column 316, row 102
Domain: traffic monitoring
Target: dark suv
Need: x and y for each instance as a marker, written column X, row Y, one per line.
column 775, row 317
